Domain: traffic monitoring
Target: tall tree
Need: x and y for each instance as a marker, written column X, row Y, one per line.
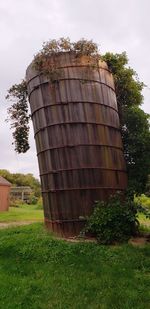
column 134, row 121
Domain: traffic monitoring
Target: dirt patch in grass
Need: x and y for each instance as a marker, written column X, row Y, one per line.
column 135, row 241
column 4, row 225
column 139, row 241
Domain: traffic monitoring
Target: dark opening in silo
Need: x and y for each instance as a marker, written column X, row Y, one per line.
column 78, row 140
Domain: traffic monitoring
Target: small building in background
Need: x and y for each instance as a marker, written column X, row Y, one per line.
column 22, row 193
column 4, row 194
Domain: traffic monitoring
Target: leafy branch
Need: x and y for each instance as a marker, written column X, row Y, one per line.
column 18, row 115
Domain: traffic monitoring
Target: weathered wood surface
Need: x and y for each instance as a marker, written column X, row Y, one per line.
column 78, row 140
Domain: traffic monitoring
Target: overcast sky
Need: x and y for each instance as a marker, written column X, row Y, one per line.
column 116, row 25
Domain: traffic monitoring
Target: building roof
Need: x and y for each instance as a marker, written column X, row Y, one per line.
column 21, row 188
column 4, row 182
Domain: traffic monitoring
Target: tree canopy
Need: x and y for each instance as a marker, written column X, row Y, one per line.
column 19, row 116
column 18, row 179
column 133, row 120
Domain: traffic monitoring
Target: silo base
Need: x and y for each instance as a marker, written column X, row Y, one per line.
column 65, row 228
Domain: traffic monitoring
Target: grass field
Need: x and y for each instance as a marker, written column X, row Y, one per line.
column 22, row 213
column 38, row 271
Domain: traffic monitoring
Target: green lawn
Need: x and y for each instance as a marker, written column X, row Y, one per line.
column 38, row 271
column 22, row 213
column 32, row 213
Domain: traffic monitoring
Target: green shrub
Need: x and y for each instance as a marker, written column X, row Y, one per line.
column 39, row 204
column 143, row 205
column 33, row 199
column 143, row 200
column 114, row 220
column 16, row 202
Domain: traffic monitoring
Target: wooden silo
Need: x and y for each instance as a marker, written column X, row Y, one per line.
column 4, row 194
column 78, row 140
